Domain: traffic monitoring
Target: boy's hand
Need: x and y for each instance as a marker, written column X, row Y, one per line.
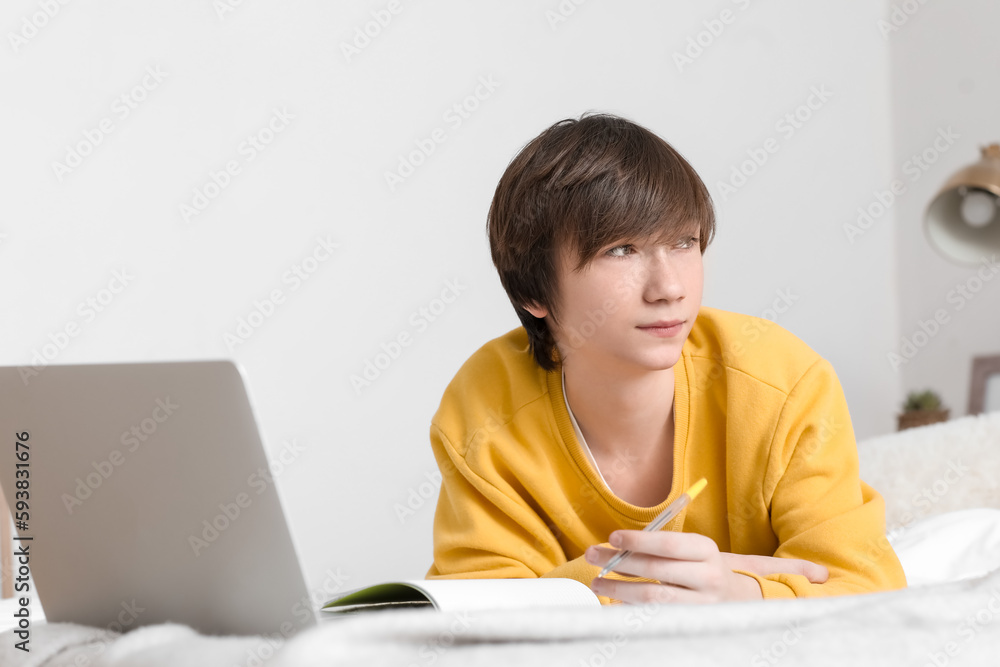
column 689, row 567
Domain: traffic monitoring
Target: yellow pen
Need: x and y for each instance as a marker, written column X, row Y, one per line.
column 671, row 510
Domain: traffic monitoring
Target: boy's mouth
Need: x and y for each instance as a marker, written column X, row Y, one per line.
column 663, row 328
column 661, row 324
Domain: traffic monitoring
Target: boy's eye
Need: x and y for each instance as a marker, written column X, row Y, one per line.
column 627, row 249
column 621, row 250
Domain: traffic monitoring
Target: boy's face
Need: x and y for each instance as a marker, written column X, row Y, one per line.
column 606, row 308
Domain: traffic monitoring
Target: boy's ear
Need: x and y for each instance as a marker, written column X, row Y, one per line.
column 538, row 311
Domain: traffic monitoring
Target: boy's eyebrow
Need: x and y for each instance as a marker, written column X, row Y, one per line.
column 683, row 235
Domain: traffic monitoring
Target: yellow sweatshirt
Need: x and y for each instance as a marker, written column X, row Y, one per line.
column 757, row 412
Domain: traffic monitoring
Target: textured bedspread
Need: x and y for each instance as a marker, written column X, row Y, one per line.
column 949, row 624
column 954, row 623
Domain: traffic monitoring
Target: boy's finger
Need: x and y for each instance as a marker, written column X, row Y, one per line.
column 765, row 565
column 598, row 555
column 634, row 592
column 816, row 573
column 667, row 544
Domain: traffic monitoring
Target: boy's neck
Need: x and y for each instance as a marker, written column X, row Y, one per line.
column 619, row 411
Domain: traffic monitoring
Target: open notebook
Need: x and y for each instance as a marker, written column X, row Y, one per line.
column 451, row 595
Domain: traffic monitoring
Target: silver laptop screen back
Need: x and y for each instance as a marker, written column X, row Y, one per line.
column 151, row 499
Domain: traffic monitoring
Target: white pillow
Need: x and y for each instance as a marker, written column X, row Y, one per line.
column 949, row 547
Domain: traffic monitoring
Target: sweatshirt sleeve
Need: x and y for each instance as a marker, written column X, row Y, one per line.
column 482, row 533
column 820, row 510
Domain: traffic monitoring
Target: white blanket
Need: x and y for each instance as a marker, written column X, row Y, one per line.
column 923, row 475
column 956, row 623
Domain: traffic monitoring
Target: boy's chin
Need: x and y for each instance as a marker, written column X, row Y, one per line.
column 629, row 357
column 657, row 362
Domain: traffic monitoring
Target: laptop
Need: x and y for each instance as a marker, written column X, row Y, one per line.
column 149, row 498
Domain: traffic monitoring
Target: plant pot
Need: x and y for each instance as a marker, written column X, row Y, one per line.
column 917, row 418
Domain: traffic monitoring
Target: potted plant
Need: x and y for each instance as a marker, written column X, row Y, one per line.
column 922, row 408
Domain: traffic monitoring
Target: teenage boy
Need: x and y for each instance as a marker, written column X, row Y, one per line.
column 561, row 439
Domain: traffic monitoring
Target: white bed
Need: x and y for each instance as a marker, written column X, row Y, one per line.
column 942, row 489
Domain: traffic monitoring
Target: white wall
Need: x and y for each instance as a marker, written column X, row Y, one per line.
column 945, row 61
column 781, row 233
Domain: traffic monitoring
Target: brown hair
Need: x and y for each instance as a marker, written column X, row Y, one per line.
column 581, row 185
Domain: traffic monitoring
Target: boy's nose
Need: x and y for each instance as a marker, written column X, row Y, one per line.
column 662, row 279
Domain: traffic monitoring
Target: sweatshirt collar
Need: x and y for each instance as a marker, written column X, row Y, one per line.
column 574, row 449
